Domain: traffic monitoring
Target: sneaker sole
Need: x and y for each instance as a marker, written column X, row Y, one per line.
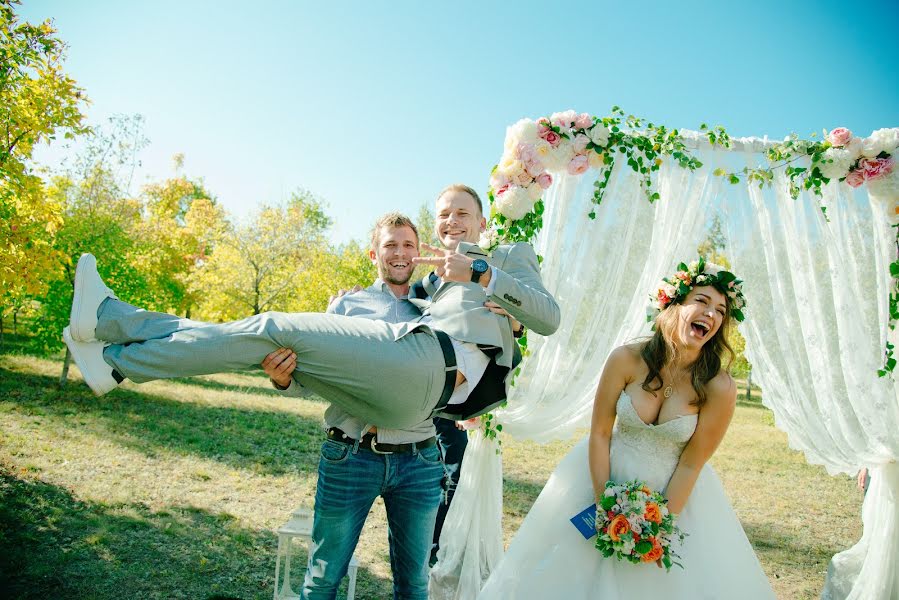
column 74, row 321
column 75, row 352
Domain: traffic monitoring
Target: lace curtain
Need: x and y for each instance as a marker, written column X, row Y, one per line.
column 816, row 294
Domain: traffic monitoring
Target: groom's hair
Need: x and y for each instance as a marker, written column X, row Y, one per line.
column 391, row 220
column 461, row 187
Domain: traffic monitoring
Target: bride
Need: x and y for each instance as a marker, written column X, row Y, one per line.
column 661, row 409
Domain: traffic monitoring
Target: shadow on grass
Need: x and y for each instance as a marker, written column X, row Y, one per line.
column 265, row 442
column 519, row 495
column 56, row 546
column 792, row 548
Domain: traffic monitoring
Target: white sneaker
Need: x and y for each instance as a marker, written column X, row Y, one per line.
column 90, row 292
column 88, row 356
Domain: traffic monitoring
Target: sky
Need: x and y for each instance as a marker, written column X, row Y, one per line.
column 376, row 106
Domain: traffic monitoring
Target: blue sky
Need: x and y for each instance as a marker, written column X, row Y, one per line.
column 377, row 106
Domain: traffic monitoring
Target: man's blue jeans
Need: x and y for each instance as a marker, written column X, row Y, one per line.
column 349, row 480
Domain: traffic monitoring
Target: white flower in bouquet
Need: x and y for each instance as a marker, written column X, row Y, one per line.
column 514, row 203
column 558, row 159
column 535, row 191
column 882, row 140
column 489, row 238
column 524, row 131
column 599, row 135
column 836, row 163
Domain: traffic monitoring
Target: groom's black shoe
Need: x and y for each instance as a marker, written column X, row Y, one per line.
column 90, row 292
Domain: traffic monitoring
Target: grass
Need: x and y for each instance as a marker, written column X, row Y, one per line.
column 173, row 489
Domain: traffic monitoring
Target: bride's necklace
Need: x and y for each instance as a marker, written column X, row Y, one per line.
column 668, row 391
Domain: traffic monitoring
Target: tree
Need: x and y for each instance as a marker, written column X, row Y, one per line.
column 713, row 249
column 37, row 102
column 180, row 225
column 256, row 266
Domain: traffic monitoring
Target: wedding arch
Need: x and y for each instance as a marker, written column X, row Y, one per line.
column 811, row 226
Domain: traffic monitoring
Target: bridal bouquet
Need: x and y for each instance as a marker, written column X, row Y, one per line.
column 633, row 523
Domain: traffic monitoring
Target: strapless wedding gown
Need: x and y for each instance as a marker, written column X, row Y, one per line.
column 550, row 559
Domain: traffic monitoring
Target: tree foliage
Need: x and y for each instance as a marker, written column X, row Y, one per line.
column 257, row 264
column 38, row 101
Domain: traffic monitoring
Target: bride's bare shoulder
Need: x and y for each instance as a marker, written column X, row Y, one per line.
column 626, row 360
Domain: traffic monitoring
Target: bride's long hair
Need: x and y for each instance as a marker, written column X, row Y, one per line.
column 663, row 349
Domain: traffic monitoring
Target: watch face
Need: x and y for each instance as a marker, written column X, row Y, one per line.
column 479, row 266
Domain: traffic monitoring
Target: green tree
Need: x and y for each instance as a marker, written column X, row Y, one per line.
column 256, row 265
column 38, row 101
column 713, row 249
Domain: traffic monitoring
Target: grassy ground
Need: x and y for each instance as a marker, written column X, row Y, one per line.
column 173, row 489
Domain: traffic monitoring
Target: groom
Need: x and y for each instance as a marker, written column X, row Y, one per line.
column 457, row 367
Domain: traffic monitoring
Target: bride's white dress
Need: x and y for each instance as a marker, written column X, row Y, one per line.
column 549, row 558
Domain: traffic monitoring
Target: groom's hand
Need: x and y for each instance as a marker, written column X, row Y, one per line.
column 449, row 264
column 279, row 365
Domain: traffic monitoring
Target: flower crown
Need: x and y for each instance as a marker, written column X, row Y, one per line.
column 699, row 273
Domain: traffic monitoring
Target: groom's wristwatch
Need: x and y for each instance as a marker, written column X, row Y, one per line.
column 478, row 267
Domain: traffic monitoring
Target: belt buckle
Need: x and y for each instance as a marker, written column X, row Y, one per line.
column 374, row 448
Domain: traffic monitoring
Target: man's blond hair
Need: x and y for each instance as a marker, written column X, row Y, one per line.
column 391, row 220
column 461, row 187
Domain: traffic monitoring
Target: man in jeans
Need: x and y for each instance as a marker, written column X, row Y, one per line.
column 359, row 462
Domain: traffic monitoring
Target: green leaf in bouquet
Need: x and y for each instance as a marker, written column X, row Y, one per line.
column 642, row 547
column 607, row 502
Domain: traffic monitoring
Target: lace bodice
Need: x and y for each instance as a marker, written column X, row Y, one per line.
column 647, row 452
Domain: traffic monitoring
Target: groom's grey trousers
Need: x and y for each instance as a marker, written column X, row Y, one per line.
column 358, row 364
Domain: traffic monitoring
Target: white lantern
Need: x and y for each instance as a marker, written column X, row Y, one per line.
column 300, row 526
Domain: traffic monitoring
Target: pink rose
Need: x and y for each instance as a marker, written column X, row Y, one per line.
column 583, row 121
column 839, row 136
column 544, row 180
column 551, row 137
column 527, row 152
column 580, row 143
column 542, row 125
column 533, row 166
column 875, row 167
column 499, row 180
column 578, row 165
column 564, row 120
column 855, row 178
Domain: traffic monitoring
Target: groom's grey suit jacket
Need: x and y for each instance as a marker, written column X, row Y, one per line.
column 458, row 310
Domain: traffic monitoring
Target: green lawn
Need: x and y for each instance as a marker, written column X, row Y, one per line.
column 173, row 489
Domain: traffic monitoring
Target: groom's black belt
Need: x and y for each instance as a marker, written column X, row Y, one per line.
column 449, row 358
column 369, row 442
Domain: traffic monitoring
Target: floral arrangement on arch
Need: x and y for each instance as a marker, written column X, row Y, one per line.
column 575, row 142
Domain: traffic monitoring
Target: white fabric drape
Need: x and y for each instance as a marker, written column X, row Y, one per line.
column 816, row 306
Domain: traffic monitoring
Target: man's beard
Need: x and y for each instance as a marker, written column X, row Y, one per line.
column 388, row 278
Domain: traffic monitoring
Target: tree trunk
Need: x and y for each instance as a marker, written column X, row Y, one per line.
column 15, row 322
column 1, row 327
column 65, row 368
column 749, row 386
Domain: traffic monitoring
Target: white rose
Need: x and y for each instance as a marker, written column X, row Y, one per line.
column 854, row 148
column 535, row 191
column 515, row 203
column 885, row 189
column 559, row 157
column 882, row 140
column 511, row 167
column 836, row 163
column 524, row 131
column 488, row 239
column 599, row 135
